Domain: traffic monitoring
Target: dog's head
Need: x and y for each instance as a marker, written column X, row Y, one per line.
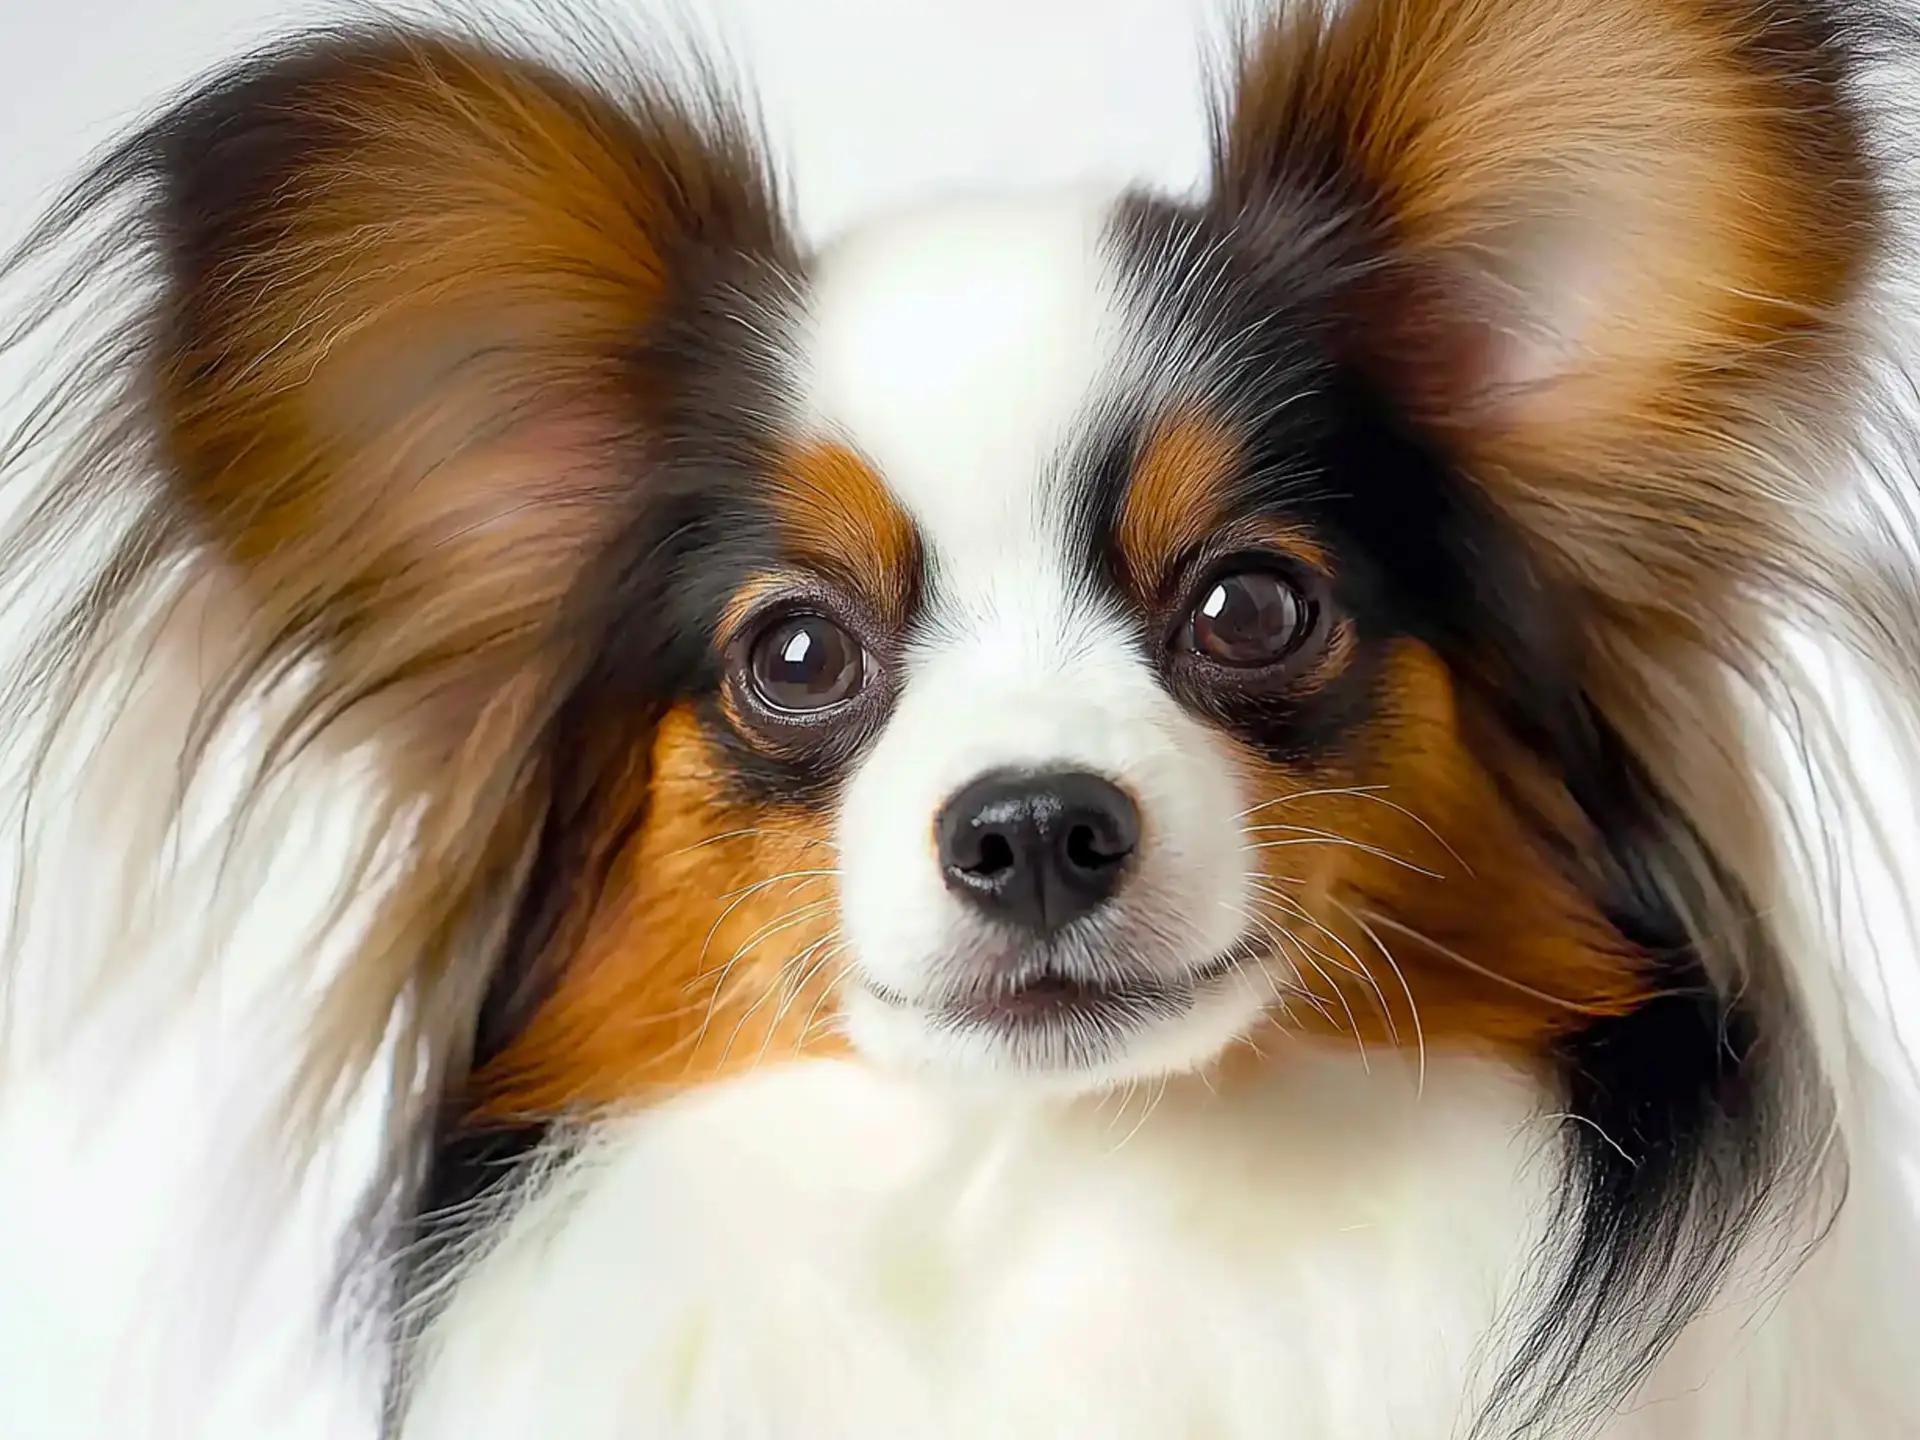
column 1054, row 639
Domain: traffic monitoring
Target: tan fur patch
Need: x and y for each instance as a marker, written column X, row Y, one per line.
column 840, row 518
column 718, row 949
column 1176, row 497
column 1414, row 905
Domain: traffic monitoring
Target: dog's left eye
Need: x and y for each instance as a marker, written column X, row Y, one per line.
column 805, row 663
column 1249, row 619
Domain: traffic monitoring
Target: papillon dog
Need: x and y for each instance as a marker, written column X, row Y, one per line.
column 1069, row 817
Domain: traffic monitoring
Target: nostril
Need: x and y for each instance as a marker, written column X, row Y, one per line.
column 1089, row 850
column 994, row 857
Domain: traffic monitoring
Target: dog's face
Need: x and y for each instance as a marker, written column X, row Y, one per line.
column 1018, row 642
column 1042, row 819
column 1063, row 689
column 1035, row 856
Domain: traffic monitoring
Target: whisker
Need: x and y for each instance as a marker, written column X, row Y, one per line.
column 1122, row 1098
column 1360, row 970
column 1371, row 793
column 826, row 993
column 1289, row 799
column 1366, row 1060
column 1292, row 907
column 1321, row 837
column 1159, row 1094
column 1413, row 1007
column 1284, row 991
column 1422, row 822
column 1598, row 1129
column 824, row 1022
column 725, row 971
column 759, row 885
column 753, row 830
column 740, row 898
column 726, row 1052
column 790, row 996
column 785, row 920
column 1276, row 934
column 1448, row 952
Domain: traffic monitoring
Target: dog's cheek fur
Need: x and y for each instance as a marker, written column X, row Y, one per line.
column 713, row 948
column 1417, row 908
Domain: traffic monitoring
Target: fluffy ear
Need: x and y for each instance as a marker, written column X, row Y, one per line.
column 1612, row 250
column 1610, row 257
column 395, row 365
column 394, row 387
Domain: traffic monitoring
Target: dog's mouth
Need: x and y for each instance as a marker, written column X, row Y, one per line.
column 1052, row 999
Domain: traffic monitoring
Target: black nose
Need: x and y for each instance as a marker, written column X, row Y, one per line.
column 1038, row 851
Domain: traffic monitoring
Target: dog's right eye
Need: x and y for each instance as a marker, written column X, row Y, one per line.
column 805, row 664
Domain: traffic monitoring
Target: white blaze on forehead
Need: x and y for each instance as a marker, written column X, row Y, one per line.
column 964, row 350
column 960, row 348
column 969, row 354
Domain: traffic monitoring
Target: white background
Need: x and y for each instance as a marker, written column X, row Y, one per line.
column 871, row 103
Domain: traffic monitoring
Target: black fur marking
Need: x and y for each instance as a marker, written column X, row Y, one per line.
column 1680, row 1142
column 1265, row 375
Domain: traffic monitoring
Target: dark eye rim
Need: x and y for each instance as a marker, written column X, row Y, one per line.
column 1310, row 588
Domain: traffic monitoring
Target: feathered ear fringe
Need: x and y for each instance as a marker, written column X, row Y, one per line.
column 334, row 407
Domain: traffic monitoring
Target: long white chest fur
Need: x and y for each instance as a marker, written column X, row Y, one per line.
column 820, row 1252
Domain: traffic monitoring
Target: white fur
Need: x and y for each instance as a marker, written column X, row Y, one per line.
column 823, row 1253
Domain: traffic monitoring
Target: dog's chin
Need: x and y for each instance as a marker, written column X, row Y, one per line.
column 1058, row 1035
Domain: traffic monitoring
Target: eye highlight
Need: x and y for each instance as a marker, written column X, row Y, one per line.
column 1248, row 619
column 803, row 664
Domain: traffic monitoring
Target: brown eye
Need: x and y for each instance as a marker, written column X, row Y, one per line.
column 1249, row 619
column 805, row 663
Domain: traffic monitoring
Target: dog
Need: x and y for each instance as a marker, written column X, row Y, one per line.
column 1122, row 815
